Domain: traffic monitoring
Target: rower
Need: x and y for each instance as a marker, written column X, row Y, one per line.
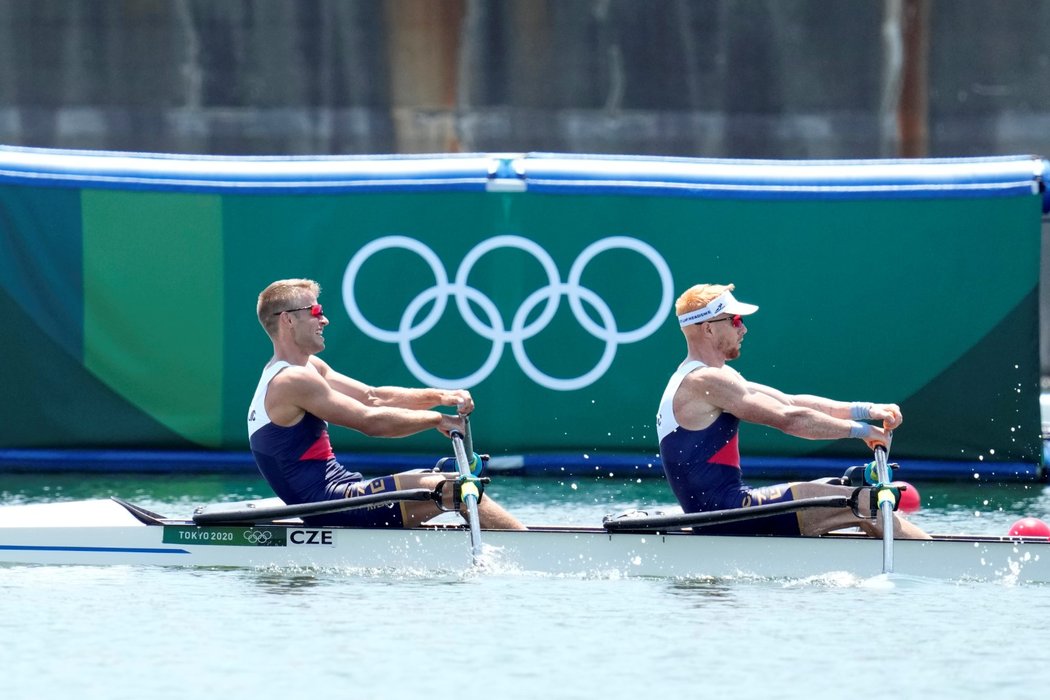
column 700, row 413
column 299, row 394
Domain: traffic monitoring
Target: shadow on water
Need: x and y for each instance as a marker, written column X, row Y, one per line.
column 301, row 580
column 284, row 583
column 704, row 590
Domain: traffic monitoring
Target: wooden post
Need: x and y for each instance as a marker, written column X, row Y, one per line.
column 913, row 108
column 424, row 46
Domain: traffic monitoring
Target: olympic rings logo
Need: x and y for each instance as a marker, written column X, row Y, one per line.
column 494, row 328
column 258, row 536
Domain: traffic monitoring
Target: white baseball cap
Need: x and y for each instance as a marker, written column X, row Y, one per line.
column 724, row 303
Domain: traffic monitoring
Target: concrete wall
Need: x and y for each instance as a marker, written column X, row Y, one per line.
column 720, row 78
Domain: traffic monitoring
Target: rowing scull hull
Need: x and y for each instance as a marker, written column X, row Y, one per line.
column 117, row 538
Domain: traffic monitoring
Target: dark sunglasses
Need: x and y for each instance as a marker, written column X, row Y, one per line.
column 315, row 310
column 737, row 320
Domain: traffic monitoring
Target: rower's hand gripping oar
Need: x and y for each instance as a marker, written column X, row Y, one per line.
column 886, row 498
column 468, row 484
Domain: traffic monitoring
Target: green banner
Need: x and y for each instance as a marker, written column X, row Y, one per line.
column 131, row 310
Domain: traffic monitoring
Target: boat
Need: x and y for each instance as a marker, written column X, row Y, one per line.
column 115, row 532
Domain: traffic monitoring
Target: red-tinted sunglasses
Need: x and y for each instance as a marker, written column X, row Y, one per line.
column 315, row 310
column 737, row 320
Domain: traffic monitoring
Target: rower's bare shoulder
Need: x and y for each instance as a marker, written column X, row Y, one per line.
column 295, row 378
column 708, row 377
column 319, row 365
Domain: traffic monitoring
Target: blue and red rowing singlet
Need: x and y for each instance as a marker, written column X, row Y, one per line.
column 300, row 466
column 703, row 467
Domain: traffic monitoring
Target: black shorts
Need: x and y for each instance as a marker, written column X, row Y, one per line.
column 783, row 525
column 390, row 514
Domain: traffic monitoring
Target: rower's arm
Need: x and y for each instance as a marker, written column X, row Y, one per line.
column 830, row 407
column 889, row 413
column 421, row 398
column 393, row 396
column 299, row 389
column 348, row 386
column 756, row 403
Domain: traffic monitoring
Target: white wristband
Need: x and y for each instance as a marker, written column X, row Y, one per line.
column 859, row 430
column 860, row 410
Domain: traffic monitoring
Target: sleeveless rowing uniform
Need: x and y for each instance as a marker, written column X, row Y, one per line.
column 300, row 466
column 703, row 468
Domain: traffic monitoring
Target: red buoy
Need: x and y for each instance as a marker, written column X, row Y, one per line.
column 911, row 500
column 1030, row 527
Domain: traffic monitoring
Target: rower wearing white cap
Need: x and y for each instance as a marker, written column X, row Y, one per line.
column 700, row 414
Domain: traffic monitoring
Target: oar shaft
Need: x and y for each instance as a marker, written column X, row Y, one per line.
column 885, row 510
column 469, row 499
column 468, row 441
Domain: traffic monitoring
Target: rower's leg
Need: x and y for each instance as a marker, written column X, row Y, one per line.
column 820, row 521
column 903, row 529
column 491, row 515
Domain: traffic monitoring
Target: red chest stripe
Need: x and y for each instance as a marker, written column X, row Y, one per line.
column 729, row 455
column 322, row 449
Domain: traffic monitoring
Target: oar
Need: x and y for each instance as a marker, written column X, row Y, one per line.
column 468, row 489
column 249, row 515
column 731, row 515
column 473, row 460
column 885, row 498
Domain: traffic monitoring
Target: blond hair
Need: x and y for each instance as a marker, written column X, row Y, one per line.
column 698, row 296
column 282, row 295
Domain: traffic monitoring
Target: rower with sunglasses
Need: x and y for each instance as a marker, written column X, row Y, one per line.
column 700, row 414
column 299, row 394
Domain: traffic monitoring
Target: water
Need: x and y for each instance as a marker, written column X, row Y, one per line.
column 127, row 632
